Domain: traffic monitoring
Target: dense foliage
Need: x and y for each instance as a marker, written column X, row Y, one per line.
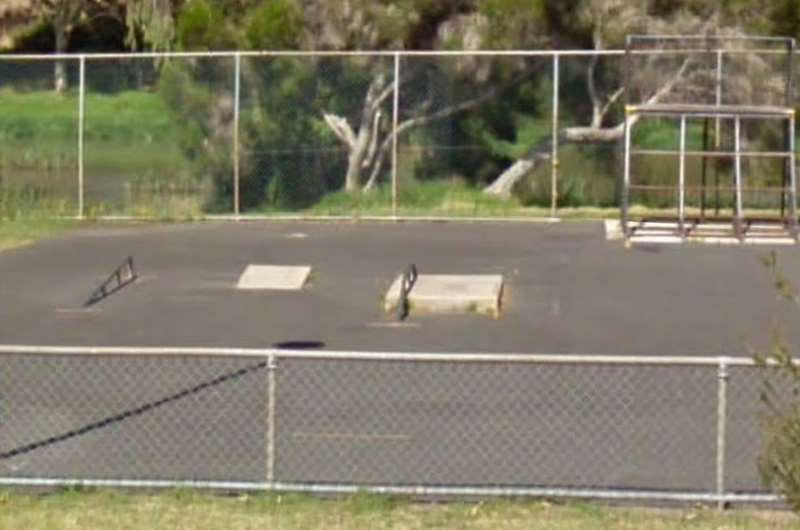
column 315, row 126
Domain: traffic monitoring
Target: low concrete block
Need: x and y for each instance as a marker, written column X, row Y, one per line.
column 651, row 232
column 613, row 230
column 274, row 277
column 450, row 293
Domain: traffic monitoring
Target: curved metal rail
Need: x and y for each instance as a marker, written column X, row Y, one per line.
column 406, row 284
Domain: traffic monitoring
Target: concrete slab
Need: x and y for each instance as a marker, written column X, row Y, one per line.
column 651, row 232
column 450, row 293
column 274, row 277
column 613, row 230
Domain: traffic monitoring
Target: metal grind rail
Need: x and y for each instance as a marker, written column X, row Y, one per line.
column 122, row 276
column 407, row 282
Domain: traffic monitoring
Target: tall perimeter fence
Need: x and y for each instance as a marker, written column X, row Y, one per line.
column 327, row 133
column 600, row 427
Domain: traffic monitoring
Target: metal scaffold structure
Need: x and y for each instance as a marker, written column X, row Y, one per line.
column 716, row 113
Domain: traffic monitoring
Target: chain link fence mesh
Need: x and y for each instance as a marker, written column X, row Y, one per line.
column 315, row 133
column 38, row 138
column 463, row 122
column 358, row 422
column 159, row 136
column 589, row 169
column 406, row 423
column 112, row 417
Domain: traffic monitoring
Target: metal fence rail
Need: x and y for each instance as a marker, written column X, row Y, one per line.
column 604, row 427
column 261, row 116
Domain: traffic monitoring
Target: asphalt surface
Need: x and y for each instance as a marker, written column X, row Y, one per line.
column 370, row 422
column 567, row 289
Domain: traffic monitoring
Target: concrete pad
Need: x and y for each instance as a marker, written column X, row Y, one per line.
column 613, row 230
column 450, row 293
column 658, row 232
column 277, row 277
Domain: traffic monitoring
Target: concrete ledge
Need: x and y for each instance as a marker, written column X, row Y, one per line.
column 657, row 232
column 450, row 293
column 274, row 277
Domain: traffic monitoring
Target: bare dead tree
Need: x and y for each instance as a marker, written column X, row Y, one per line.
column 370, row 145
column 608, row 16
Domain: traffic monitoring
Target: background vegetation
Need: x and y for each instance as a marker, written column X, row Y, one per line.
column 159, row 133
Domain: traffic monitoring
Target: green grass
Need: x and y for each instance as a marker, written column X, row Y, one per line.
column 24, row 231
column 124, row 130
column 96, row 510
column 453, row 199
column 133, row 161
column 439, row 197
column 123, row 117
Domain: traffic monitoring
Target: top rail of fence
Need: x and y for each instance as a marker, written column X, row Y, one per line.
column 522, row 358
column 372, row 53
column 307, row 53
column 745, row 38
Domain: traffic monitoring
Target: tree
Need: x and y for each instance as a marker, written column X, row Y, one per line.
column 607, row 22
column 150, row 23
column 449, row 24
column 16, row 17
column 351, row 103
column 64, row 16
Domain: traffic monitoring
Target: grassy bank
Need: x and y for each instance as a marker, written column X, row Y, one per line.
column 107, row 509
column 24, row 231
column 48, row 122
column 131, row 149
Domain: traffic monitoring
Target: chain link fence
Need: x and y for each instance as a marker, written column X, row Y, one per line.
column 39, row 136
column 441, row 134
column 669, row 428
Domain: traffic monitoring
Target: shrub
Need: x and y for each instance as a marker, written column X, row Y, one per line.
column 779, row 459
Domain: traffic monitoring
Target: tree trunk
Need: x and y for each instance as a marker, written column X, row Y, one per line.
column 352, row 181
column 62, row 42
column 366, row 152
column 597, row 104
column 361, row 145
column 595, row 133
column 504, row 184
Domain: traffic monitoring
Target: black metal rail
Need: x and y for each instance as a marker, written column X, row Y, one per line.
column 122, row 276
column 406, row 284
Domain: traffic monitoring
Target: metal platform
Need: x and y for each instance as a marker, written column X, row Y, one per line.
column 711, row 111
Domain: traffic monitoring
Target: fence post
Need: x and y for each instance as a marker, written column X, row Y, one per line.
column 236, row 98
column 271, row 383
column 554, row 155
column 722, row 407
column 81, row 121
column 718, row 98
column 395, row 119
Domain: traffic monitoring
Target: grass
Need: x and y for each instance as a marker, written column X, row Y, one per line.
column 90, row 510
column 133, row 160
column 126, row 131
column 123, row 117
column 439, row 197
column 24, row 231
column 454, row 198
